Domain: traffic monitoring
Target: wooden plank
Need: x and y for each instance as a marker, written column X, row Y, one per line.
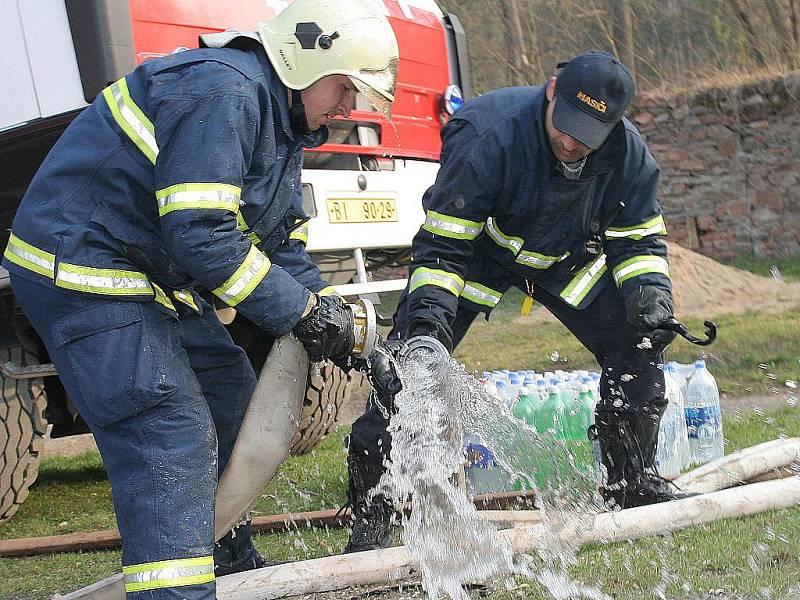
column 103, row 540
column 739, row 467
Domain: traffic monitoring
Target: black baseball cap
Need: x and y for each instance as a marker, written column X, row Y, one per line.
column 593, row 89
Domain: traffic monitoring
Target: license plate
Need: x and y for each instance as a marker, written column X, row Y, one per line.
column 361, row 210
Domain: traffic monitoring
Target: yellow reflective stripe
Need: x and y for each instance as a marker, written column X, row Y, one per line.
column 452, row 227
column 300, row 233
column 103, row 281
column 538, row 261
column 245, row 229
column 449, row 281
column 639, row 265
column 480, row 294
column 654, row 226
column 185, row 297
column 328, row 291
column 501, row 239
column 189, row 196
column 249, row 274
column 162, row 298
column 168, row 573
column 131, row 118
column 30, row 257
column 584, row 281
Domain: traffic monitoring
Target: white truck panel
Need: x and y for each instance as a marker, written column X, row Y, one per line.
column 405, row 185
column 54, row 66
column 39, row 72
column 18, row 102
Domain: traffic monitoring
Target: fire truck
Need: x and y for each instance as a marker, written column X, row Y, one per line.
column 362, row 189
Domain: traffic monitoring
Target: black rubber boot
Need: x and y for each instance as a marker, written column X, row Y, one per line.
column 628, row 450
column 372, row 517
column 235, row 552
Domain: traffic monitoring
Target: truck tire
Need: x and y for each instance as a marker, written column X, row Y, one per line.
column 327, row 391
column 22, row 430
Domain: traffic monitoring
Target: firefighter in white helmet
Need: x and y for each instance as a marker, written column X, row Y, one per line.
column 185, row 174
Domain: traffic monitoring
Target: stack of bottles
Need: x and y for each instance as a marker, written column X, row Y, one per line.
column 556, row 404
column 561, row 405
column 701, row 410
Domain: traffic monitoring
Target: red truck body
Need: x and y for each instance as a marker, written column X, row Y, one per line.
column 424, row 73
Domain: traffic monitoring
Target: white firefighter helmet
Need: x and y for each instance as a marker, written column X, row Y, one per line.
column 312, row 39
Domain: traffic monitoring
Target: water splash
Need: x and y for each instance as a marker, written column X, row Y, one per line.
column 444, row 533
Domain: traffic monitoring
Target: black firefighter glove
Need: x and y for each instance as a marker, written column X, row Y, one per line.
column 327, row 331
column 647, row 308
column 382, row 373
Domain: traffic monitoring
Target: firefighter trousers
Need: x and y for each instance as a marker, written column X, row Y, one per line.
column 161, row 395
column 602, row 328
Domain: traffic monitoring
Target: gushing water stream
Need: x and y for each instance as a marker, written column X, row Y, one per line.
column 444, row 534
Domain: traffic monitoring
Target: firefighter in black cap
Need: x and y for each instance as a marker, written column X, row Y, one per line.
column 552, row 190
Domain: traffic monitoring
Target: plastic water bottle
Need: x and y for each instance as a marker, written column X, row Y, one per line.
column 483, row 474
column 586, row 404
column 703, row 416
column 673, row 443
column 525, row 408
column 507, row 393
column 550, row 415
column 516, row 385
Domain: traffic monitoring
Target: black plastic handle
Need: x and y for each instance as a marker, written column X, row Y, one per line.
column 681, row 330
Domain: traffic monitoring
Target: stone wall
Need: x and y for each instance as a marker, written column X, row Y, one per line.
column 730, row 161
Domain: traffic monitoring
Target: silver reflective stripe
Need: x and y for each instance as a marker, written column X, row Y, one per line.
column 30, row 257
column 424, row 276
column 654, row 226
column 300, row 233
column 584, row 281
column 249, row 274
column 501, row 239
column 480, row 294
column 452, row 227
column 168, row 573
column 536, row 260
column 131, row 118
column 639, row 265
column 102, row 281
column 188, row 196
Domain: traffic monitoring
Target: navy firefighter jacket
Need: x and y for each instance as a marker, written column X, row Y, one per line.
column 501, row 213
column 184, row 172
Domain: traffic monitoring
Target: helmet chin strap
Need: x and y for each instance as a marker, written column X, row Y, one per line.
column 297, row 115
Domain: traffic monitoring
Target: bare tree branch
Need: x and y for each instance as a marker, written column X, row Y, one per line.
column 780, row 22
column 753, row 44
column 623, row 33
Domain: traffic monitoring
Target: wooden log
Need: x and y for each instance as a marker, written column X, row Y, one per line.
column 781, row 473
column 103, row 540
column 395, row 566
column 511, row 518
column 71, row 542
column 738, row 467
column 107, row 539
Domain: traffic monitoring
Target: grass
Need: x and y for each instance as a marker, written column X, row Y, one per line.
column 736, row 555
column 789, row 266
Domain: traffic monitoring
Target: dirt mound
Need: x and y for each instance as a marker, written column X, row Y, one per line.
column 702, row 286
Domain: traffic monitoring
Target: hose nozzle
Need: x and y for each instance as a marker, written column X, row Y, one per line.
column 365, row 321
column 422, row 348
